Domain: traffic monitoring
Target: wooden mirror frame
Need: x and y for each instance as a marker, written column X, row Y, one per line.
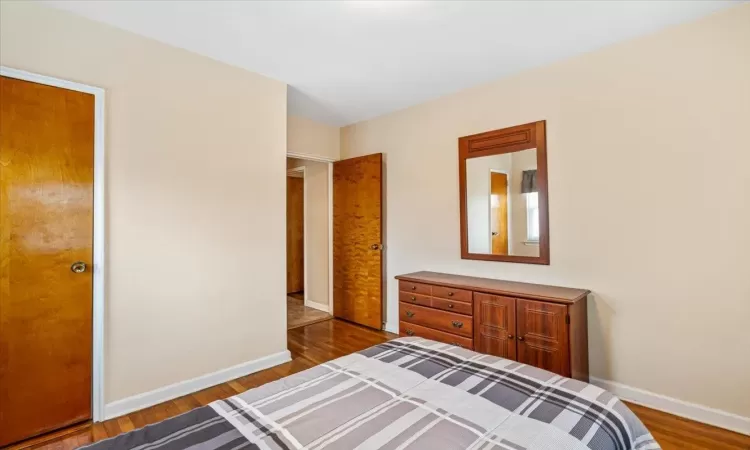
column 507, row 140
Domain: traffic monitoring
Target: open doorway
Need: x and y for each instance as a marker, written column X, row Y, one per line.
column 307, row 241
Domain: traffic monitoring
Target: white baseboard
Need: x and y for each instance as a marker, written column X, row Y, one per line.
column 694, row 411
column 391, row 327
column 318, row 306
column 146, row 399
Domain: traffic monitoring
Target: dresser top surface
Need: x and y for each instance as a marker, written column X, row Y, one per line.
column 501, row 287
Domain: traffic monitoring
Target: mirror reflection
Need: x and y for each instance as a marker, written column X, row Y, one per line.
column 502, row 204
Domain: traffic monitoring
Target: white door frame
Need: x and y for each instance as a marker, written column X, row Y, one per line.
column 329, row 161
column 97, row 387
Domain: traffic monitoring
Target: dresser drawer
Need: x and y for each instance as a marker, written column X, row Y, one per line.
column 416, row 288
column 452, row 306
column 415, row 299
column 460, row 295
column 410, row 329
column 435, row 318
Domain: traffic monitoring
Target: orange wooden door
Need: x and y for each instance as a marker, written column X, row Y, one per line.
column 496, row 319
column 543, row 335
column 46, row 213
column 499, row 212
column 357, row 237
column 295, row 234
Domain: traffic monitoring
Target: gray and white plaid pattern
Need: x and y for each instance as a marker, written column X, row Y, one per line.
column 409, row 393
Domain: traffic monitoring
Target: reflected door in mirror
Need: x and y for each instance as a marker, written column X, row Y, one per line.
column 499, row 212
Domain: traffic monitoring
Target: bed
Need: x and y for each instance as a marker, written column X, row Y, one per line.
column 408, row 393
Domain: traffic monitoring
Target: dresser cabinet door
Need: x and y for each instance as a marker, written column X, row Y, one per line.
column 543, row 336
column 495, row 317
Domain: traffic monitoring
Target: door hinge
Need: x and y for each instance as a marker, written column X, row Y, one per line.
column 567, row 319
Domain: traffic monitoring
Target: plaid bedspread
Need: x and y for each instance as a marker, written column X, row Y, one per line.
column 409, row 393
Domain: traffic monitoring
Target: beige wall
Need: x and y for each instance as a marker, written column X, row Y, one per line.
column 195, row 154
column 316, row 223
column 310, row 138
column 648, row 173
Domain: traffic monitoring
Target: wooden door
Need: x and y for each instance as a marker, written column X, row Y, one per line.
column 543, row 335
column 495, row 317
column 295, row 234
column 357, row 238
column 46, row 205
column 499, row 212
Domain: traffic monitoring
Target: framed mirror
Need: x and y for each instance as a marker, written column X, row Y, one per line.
column 503, row 187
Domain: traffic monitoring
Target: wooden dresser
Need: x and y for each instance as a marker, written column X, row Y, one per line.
column 539, row 325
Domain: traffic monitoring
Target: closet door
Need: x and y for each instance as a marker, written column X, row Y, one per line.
column 495, row 319
column 295, row 234
column 543, row 335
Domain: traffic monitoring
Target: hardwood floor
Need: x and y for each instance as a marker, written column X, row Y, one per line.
column 673, row 432
column 323, row 341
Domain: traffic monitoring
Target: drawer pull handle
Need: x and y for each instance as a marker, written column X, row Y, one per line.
column 450, row 305
column 457, row 344
column 413, row 288
column 410, row 333
column 457, row 324
column 409, row 314
column 520, row 338
column 510, row 336
column 413, row 298
column 450, row 294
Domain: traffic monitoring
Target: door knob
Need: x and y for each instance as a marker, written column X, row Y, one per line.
column 78, row 267
column 376, row 247
column 510, row 336
column 520, row 338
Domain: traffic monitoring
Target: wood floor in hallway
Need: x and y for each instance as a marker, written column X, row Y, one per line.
column 299, row 315
column 323, row 341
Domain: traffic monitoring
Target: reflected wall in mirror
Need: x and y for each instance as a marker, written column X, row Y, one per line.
column 503, row 183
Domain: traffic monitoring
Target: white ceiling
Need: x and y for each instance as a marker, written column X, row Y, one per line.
column 349, row 61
